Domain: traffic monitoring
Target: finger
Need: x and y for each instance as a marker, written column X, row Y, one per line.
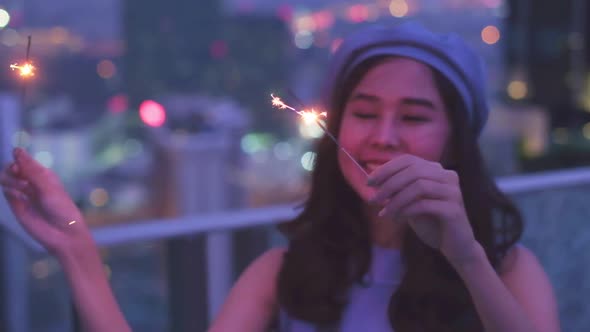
column 386, row 170
column 396, row 183
column 20, row 206
column 10, row 181
column 30, row 169
column 14, row 169
column 417, row 190
column 13, row 194
column 439, row 209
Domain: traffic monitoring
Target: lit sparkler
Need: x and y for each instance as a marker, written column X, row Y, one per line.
column 313, row 116
column 26, row 70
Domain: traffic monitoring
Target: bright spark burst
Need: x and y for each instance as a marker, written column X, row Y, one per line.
column 308, row 117
column 313, row 116
column 26, row 70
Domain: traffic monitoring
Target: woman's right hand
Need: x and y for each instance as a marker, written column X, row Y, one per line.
column 42, row 206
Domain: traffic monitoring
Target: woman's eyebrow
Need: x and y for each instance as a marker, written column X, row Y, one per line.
column 418, row 102
column 361, row 96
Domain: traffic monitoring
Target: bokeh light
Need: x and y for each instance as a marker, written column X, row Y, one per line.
column 106, row 69
column 44, row 158
column 99, row 197
column 4, row 18
column 490, row 34
column 358, row 13
column 152, row 113
column 336, row 44
column 303, row 39
column 517, row 89
column 308, row 160
column 398, row 8
column 118, row 103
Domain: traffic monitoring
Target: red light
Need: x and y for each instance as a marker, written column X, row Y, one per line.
column 152, row 113
column 118, row 103
column 218, row 49
column 358, row 13
column 285, row 12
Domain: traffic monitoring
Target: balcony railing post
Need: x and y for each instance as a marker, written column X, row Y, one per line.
column 200, row 167
column 15, row 283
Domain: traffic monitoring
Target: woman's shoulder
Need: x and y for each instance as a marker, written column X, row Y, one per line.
column 521, row 268
column 271, row 259
column 516, row 257
column 265, row 268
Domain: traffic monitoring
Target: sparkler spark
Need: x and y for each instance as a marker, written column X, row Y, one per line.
column 26, row 70
column 313, row 116
column 307, row 116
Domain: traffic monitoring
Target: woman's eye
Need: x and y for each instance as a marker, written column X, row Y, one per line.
column 364, row 115
column 413, row 118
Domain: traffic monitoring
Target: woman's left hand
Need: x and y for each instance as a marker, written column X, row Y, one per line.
column 427, row 197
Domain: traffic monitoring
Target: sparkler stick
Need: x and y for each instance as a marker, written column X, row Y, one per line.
column 26, row 71
column 313, row 116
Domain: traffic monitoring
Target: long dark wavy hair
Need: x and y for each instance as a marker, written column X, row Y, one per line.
column 330, row 246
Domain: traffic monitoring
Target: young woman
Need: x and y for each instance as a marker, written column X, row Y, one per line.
column 426, row 242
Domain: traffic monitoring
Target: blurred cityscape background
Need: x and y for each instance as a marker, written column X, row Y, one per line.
column 153, row 109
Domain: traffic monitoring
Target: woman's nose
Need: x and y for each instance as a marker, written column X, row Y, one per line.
column 385, row 134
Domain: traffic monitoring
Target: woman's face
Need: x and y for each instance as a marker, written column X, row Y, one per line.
column 395, row 109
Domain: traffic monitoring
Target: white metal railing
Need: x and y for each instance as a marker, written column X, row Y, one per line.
column 239, row 219
column 228, row 221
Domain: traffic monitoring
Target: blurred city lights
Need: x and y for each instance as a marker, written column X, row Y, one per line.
column 336, row 44
column 490, row 34
column 307, row 160
column 358, row 13
column 303, row 39
column 152, row 113
column 323, row 19
column 99, row 197
column 44, row 158
column 118, row 103
column 398, row 8
column 4, row 18
column 517, row 89
column 255, row 142
column 106, row 69
column 305, row 23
